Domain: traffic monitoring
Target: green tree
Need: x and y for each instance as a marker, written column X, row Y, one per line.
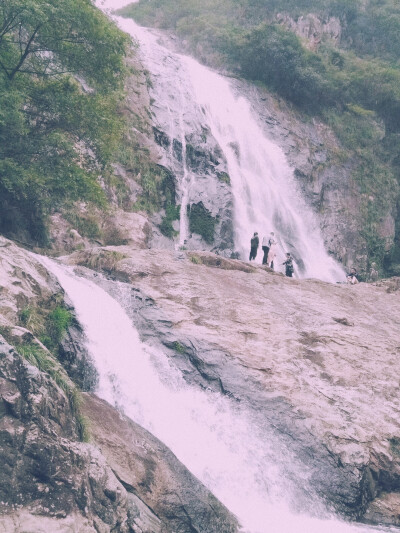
column 56, row 36
column 61, row 79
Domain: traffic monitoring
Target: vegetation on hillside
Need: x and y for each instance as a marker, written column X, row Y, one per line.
column 61, row 78
column 354, row 87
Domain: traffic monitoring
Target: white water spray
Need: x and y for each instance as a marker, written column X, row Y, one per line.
column 265, row 191
column 217, row 440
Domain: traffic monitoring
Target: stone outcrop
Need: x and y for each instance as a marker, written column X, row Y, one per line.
column 46, row 471
column 311, row 360
column 313, row 29
column 49, row 479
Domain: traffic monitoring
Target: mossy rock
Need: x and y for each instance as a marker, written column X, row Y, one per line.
column 224, row 177
column 202, row 222
column 172, row 213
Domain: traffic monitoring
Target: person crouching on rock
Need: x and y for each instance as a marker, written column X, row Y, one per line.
column 254, row 246
column 288, row 265
column 352, row 277
column 265, row 249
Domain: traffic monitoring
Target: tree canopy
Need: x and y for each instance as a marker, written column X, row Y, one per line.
column 61, row 76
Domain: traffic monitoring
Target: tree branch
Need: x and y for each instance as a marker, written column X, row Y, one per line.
column 6, row 70
column 25, row 54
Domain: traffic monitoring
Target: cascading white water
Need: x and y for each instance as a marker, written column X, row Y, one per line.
column 266, row 195
column 185, row 182
column 218, row 441
column 265, row 191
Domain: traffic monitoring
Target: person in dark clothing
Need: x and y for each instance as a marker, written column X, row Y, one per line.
column 254, row 246
column 265, row 249
column 352, row 277
column 288, row 265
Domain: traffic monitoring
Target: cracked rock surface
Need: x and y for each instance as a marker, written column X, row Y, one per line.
column 318, row 362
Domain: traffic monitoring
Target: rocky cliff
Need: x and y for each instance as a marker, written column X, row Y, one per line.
column 123, row 480
column 356, row 224
column 316, row 362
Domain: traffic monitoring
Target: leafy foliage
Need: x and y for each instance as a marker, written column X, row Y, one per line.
column 172, row 213
column 201, row 222
column 61, row 76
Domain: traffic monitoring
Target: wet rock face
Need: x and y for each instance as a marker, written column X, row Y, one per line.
column 47, row 473
column 45, row 468
column 316, row 363
column 52, row 482
column 151, row 473
column 75, row 358
column 189, row 152
column 200, row 157
column 135, row 485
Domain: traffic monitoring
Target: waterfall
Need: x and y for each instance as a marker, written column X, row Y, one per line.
column 186, row 182
column 266, row 196
column 240, row 461
column 265, row 191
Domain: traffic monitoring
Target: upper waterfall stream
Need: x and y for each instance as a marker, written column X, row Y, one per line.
column 240, row 461
column 265, row 194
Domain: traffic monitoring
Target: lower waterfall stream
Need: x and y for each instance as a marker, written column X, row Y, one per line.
column 214, row 438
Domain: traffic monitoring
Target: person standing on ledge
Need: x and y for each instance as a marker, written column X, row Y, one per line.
column 265, row 249
column 273, row 245
column 254, row 243
column 288, row 265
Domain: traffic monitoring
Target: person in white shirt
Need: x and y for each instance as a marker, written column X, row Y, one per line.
column 265, row 249
column 273, row 245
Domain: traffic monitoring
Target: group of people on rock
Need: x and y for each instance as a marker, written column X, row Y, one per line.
column 269, row 247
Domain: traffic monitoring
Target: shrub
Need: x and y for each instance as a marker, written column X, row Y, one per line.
column 172, row 213
column 57, row 323
column 201, row 222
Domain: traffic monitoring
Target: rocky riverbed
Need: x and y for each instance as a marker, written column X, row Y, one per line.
column 315, row 363
column 318, row 361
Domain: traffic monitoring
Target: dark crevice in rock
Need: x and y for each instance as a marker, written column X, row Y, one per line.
column 131, row 489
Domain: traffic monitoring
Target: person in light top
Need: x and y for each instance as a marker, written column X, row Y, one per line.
column 265, row 249
column 352, row 277
column 273, row 245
